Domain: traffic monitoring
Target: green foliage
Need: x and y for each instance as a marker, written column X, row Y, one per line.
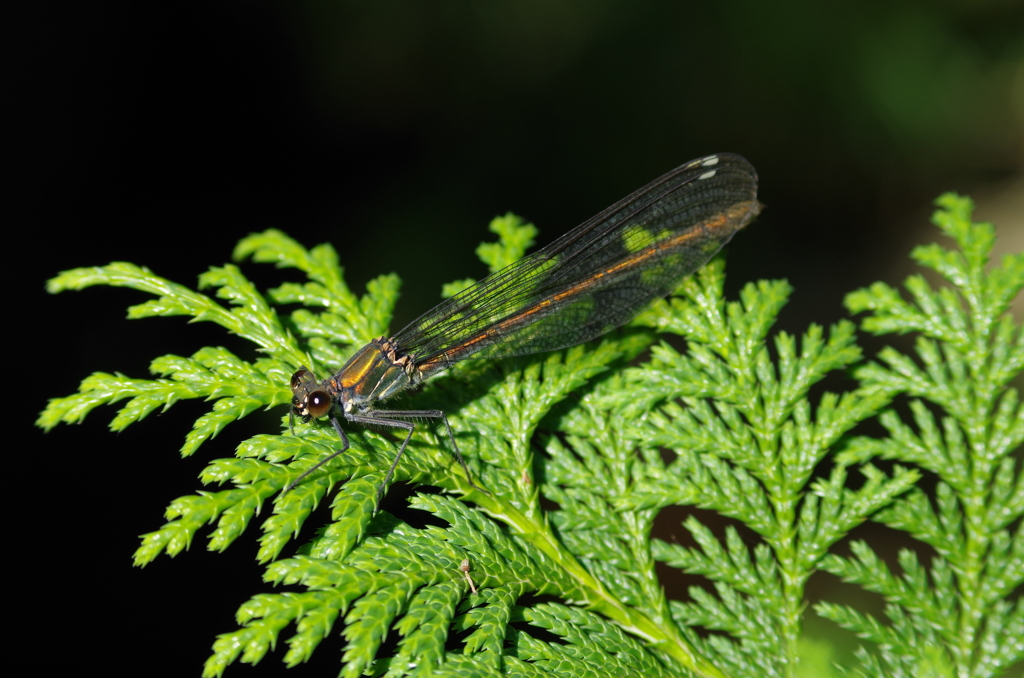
column 746, row 440
column 498, row 584
column 957, row 616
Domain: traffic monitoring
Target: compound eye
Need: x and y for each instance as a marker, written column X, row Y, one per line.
column 300, row 376
column 318, row 403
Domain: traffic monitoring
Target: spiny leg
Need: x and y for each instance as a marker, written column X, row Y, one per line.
column 422, row 414
column 314, row 467
column 370, row 420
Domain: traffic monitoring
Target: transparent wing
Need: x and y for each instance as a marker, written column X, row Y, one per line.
column 597, row 276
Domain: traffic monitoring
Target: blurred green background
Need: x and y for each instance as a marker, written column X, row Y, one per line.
column 161, row 133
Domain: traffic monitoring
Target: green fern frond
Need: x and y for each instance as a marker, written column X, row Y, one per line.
column 237, row 387
column 746, row 441
column 343, row 316
column 967, row 352
column 498, row 582
column 515, row 236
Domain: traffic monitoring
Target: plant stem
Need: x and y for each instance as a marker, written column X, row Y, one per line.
column 667, row 640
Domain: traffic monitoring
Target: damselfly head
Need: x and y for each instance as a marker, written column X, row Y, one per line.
column 309, row 399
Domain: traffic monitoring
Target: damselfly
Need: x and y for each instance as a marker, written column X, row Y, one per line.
column 593, row 279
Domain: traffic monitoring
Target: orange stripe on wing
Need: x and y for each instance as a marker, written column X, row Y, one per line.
column 738, row 214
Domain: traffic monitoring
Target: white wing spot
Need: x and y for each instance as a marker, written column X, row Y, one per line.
column 709, row 161
column 707, row 175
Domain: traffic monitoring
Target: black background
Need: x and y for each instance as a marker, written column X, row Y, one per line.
column 162, row 133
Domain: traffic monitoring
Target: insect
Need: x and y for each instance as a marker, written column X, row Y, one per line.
column 591, row 280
